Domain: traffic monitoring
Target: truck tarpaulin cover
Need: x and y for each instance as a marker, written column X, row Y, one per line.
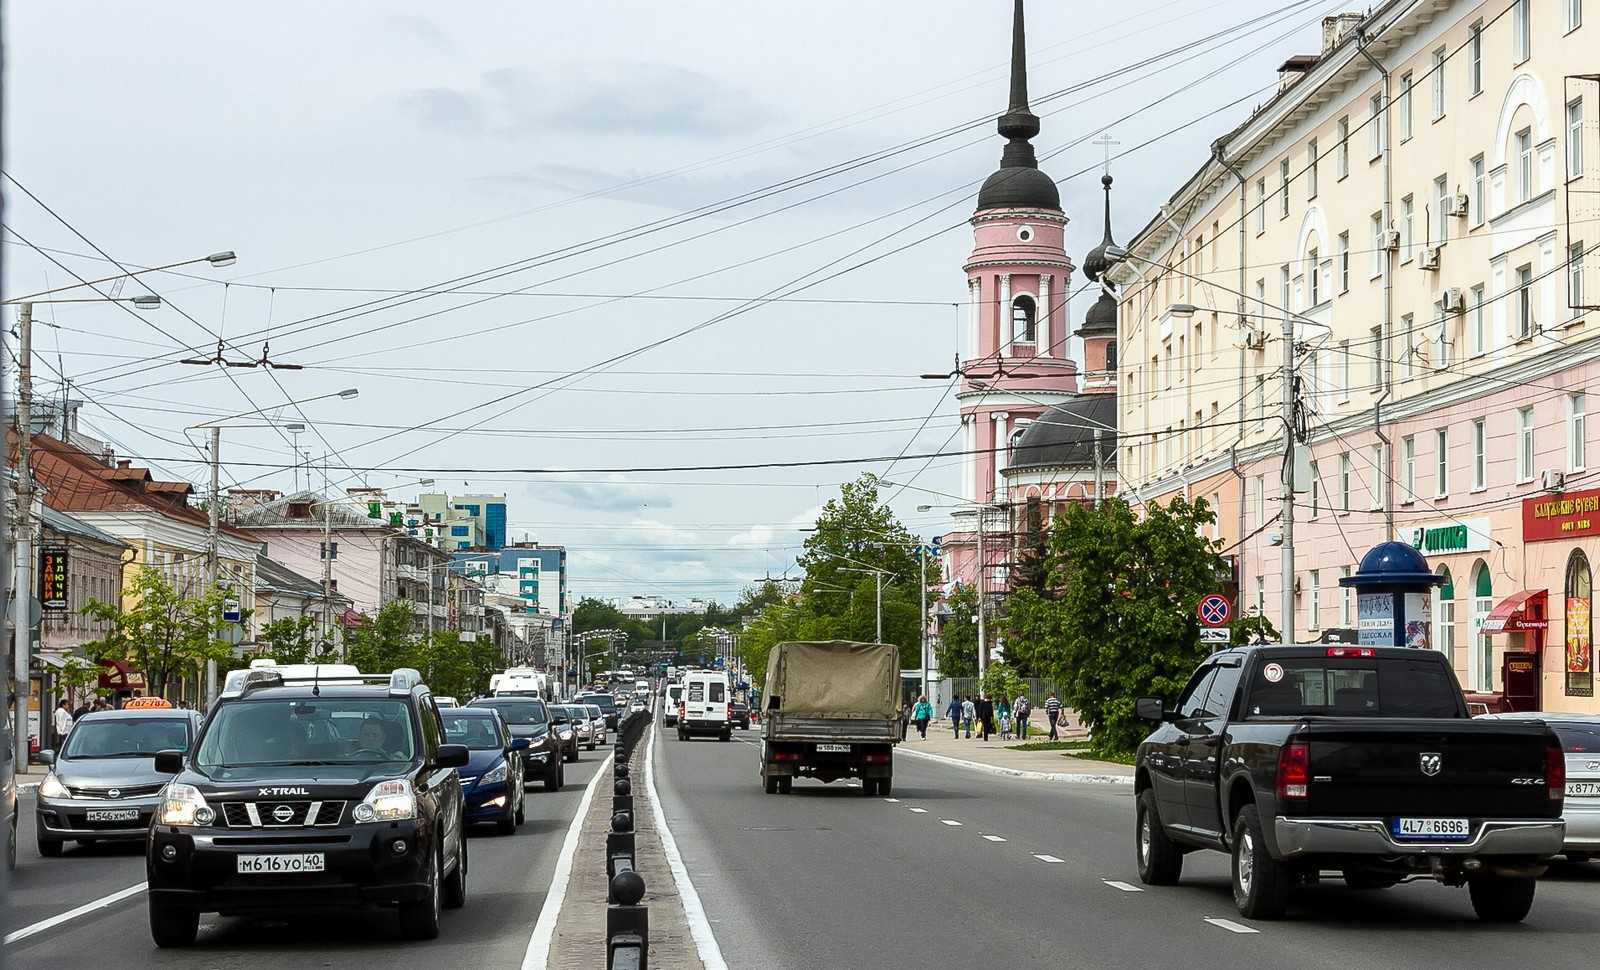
column 835, row 678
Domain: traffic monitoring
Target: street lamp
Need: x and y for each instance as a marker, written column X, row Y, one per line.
column 982, row 509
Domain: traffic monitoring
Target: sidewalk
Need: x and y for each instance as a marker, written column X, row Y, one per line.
column 1002, row 757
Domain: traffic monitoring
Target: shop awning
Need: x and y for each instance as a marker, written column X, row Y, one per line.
column 119, row 676
column 1523, row 611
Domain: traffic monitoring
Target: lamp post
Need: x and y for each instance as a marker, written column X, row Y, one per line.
column 982, row 509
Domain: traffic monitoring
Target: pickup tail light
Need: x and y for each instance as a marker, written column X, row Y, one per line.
column 1555, row 773
column 1352, row 652
column 1294, row 772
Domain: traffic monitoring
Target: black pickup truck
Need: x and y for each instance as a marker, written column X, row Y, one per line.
column 1302, row 761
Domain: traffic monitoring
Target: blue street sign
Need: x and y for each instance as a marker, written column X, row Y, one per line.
column 230, row 611
column 1214, row 610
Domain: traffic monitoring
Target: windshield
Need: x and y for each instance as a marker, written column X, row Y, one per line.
column 604, row 701
column 475, row 731
column 121, row 737
column 517, row 711
column 322, row 730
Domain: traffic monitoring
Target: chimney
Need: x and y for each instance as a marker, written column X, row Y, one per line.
column 1294, row 69
column 1336, row 28
column 125, row 463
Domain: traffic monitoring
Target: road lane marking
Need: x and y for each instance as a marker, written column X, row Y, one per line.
column 705, row 942
column 73, row 914
column 537, row 956
column 1047, row 858
column 949, row 821
column 994, row 838
column 1124, row 886
column 1230, row 925
column 891, row 799
column 920, row 811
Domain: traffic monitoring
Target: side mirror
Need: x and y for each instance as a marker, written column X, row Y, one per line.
column 169, row 761
column 46, row 757
column 450, row 755
column 1150, row 708
column 517, row 744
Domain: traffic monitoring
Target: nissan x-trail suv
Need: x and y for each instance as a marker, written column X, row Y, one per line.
column 310, row 794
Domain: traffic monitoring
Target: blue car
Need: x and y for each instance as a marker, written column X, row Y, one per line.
column 491, row 779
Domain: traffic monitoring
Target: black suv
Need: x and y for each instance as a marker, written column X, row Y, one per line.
column 528, row 717
column 607, row 704
column 328, row 792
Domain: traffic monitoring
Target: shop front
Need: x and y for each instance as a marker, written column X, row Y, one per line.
column 1559, row 530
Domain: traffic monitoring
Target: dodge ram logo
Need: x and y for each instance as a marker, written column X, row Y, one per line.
column 1430, row 763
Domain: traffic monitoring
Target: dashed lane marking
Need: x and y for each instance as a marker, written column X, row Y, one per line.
column 1124, row 886
column 891, row 799
column 1047, row 858
column 73, row 914
column 949, row 821
column 920, row 811
column 994, row 838
column 1230, row 925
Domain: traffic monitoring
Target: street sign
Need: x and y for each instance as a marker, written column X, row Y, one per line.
column 231, row 633
column 1214, row 611
column 1215, row 634
column 230, row 611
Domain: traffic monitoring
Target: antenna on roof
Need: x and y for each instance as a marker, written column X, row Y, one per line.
column 316, row 675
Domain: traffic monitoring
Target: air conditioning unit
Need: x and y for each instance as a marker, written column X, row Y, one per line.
column 1552, row 480
column 1391, row 239
column 1454, row 300
column 1430, row 258
column 1255, row 339
column 1456, row 205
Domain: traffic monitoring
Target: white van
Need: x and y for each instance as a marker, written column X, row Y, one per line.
column 669, row 704
column 705, row 706
column 520, row 682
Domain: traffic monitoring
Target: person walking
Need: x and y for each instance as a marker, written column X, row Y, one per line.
column 953, row 712
column 985, row 712
column 1019, row 711
column 1052, row 713
column 921, row 715
column 969, row 712
column 1003, row 712
column 61, row 722
column 905, row 718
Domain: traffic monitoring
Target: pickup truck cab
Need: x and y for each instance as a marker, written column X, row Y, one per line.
column 1359, row 761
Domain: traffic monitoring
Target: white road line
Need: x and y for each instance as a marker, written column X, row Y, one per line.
column 891, row 799
column 705, row 943
column 920, row 811
column 537, row 956
column 949, row 821
column 994, row 838
column 1047, row 858
column 1230, row 925
column 1124, row 886
column 73, row 914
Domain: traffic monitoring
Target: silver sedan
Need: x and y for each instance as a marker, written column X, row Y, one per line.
column 1580, row 740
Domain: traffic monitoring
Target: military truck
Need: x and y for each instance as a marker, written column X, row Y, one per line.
column 830, row 711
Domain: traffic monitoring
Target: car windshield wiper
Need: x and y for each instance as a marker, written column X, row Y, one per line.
column 114, row 754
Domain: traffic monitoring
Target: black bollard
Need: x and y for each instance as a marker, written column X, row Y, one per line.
column 627, row 923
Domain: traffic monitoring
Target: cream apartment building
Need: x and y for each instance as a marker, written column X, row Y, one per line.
column 1388, row 259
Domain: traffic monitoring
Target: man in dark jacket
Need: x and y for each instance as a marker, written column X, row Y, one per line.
column 985, row 717
column 953, row 712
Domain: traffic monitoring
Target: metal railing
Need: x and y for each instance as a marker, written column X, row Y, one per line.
column 627, row 919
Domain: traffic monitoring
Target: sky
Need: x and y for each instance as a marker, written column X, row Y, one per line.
column 665, row 275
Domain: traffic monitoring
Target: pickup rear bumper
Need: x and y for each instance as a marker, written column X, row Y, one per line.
column 1298, row 837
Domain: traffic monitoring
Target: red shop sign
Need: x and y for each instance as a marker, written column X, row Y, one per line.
column 1565, row 516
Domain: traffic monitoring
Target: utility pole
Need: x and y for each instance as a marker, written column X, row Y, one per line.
column 1099, row 470
column 212, row 543
column 1286, row 516
column 922, row 568
column 983, row 640
column 878, row 575
column 327, row 568
column 22, row 585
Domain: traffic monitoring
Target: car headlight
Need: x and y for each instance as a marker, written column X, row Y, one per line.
column 183, row 805
column 566, row 735
column 540, row 755
column 389, row 801
column 52, row 787
column 497, row 775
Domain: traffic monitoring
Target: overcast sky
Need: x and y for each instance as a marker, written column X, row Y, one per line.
column 657, row 235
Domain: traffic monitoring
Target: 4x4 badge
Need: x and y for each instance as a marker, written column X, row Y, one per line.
column 1430, row 763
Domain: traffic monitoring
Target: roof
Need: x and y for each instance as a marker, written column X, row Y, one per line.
column 285, row 513
column 1064, row 435
column 62, row 522
column 274, row 576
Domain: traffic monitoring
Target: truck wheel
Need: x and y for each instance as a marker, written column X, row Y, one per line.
column 885, row 785
column 1260, row 882
column 785, row 785
column 172, row 926
column 725, row 735
column 1500, row 899
column 869, row 786
column 1160, row 861
column 771, row 784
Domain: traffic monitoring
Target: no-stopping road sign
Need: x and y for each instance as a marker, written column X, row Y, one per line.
column 1214, row 610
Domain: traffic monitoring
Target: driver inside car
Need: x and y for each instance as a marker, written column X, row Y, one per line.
column 374, row 737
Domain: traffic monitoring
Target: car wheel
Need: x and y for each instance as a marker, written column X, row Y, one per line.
column 507, row 825
column 1260, row 882
column 50, row 847
column 725, row 735
column 455, row 886
column 591, row 745
column 1160, row 862
column 173, row 926
column 552, row 781
column 419, row 919
column 1501, row 899
column 11, row 843
column 522, row 807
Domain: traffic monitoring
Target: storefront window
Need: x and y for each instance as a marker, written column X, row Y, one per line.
column 1480, row 661
column 1580, row 641
column 1444, row 615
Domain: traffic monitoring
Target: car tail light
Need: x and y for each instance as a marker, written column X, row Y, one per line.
column 1294, row 763
column 1555, row 773
column 873, row 759
column 1352, row 652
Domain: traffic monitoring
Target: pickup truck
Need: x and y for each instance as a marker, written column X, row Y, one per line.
column 1308, row 760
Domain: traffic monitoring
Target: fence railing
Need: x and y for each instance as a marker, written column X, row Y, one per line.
column 627, row 919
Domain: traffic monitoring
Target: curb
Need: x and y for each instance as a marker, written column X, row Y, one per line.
column 1084, row 777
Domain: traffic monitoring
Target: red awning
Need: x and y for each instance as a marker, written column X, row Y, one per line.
column 119, row 676
column 1523, row 611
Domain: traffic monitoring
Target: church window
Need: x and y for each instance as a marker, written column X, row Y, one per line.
column 1111, row 355
column 1022, row 319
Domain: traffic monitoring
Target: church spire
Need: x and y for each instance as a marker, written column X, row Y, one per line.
column 1019, row 121
column 1019, row 183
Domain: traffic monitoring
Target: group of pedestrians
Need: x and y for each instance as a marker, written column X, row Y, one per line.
column 981, row 712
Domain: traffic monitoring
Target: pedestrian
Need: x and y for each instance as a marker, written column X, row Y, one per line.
column 1019, row 710
column 985, row 712
column 1002, row 710
column 62, row 722
column 921, row 715
column 953, row 712
column 969, row 713
column 1052, row 713
column 81, row 709
column 100, row 705
column 905, row 718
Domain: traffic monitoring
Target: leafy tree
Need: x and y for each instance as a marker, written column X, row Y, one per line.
column 594, row 614
column 1001, row 680
column 165, row 633
column 386, row 641
column 1117, row 618
column 957, row 649
column 1245, row 630
column 295, row 640
column 78, row 677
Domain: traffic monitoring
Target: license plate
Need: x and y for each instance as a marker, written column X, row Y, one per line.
column 845, row 748
column 1431, row 828
column 283, row 862
column 1583, row 788
column 112, row 815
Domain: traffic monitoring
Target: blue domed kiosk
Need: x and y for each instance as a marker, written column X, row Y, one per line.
column 1394, row 597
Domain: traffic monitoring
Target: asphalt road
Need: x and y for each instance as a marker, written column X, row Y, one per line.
column 506, row 887
column 964, row 868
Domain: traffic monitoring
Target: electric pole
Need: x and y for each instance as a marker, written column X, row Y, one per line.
column 22, row 579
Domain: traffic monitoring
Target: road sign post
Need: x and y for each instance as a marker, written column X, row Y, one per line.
column 1215, row 634
column 1214, row 611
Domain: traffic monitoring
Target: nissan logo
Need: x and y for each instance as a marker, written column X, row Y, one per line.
column 115, row 793
column 282, row 813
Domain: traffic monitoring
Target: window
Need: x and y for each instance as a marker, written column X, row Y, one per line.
column 1580, row 596
column 1439, row 223
column 328, row 550
column 1408, row 212
column 1261, row 594
column 1405, row 107
column 1574, row 139
column 1475, row 58
column 1283, row 189
column 1344, row 482
column 1575, row 278
column 1524, row 165
column 1577, row 431
column 1344, row 370
column 1520, row 30
column 1375, row 477
column 1022, row 319
column 1341, row 158
column 1261, row 500
column 1441, row 452
column 1444, row 613
column 1344, row 262
column 1316, row 492
column 1311, row 169
column 1524, row 302
column 1524, row 445
column 1376, row 344
column 1408, row 469
column 1408, row 365
column 1480, row 192
column 1378, row 247
column 1437, row 77
column 1314, row 277
column 1261, row 403
column 1314, row 600
column 1480, row 443
column 1574, row 14
column 1477, row 336
column 1375, row 125
column 1283, row 288
column 460, row 530
column 1480, row 669
column 1261, row 206
column 1216, row 515
column 1347, row 600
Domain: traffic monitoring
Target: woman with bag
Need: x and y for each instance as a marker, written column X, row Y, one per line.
column 921, row 715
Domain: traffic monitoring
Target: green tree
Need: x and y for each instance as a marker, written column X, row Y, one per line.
column 165, row 633
column 295, row 640
column 1117, row 618
column 957, row 649
column 376, row 644
column 78, row 677
column 1000, row 680
column 594, row 614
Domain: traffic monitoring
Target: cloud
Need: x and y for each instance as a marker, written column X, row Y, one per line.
column 615, row 496
column 447, row 110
